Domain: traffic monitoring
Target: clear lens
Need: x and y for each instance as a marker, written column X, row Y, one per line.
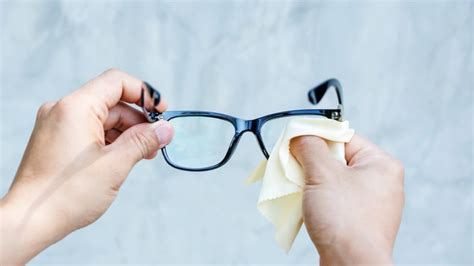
column 272, row 130
column 199, row 142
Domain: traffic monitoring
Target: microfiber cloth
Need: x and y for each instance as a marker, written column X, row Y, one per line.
column 281, row 195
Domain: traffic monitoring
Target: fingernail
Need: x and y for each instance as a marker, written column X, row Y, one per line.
column 154, row 94
column 164, row 132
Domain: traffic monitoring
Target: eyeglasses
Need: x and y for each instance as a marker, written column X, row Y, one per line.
column 205, row 141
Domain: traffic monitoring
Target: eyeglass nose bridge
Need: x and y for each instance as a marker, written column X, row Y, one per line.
column 253, row 126
column 242, row 126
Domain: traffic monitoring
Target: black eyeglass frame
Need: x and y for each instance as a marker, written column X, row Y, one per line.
column 242, row 126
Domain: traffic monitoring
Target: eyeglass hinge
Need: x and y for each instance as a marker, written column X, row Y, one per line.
column 338, row 115
column 154, row 116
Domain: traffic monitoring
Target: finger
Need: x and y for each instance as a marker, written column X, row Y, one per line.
column 111, row 135
column 152, row 155
column 122, row 116
column 315, row 157
column 358, row 147
column 113, row 86
column 140, row 142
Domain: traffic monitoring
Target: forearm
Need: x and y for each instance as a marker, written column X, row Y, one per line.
column 24, row 231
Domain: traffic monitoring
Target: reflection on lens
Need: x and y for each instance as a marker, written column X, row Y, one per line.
column 272, row 130
column 199, row 142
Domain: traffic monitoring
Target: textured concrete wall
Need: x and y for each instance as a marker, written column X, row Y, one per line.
column 407, row 72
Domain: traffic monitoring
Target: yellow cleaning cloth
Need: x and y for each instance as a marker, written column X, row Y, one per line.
column 280, row 199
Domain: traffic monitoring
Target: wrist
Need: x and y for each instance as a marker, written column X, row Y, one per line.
column 360, row 250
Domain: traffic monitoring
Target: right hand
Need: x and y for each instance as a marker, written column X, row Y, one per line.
column 352, row 212
column 80, row 152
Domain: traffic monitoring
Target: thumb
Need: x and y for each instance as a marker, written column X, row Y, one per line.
column 314, row 156
column 142, row 141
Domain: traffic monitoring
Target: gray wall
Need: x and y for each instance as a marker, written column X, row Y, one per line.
column 406, row 68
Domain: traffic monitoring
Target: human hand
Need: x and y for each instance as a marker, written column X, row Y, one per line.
column 79, row 154
column 352, row 212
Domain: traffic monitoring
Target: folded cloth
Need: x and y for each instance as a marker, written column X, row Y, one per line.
column 281, row 196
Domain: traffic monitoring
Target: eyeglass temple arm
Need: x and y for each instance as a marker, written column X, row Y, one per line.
column 316, row 94
column 155, row 96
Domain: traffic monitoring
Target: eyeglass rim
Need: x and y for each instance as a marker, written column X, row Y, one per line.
column 241, row 126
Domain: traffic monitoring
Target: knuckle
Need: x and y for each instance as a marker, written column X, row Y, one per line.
column 111, row 77
column 312, row 177
column 64, row 104
column 100, row 110
column 112, row 71
column 64, row 107
column 395, row 168
column 45, row 108
column 303, row 142
column 113, row 74
column 144, row 142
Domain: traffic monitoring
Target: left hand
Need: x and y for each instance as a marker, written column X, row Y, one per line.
column 80, row 152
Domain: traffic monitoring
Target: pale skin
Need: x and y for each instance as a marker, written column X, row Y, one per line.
column 352, row 212
column 84, row 145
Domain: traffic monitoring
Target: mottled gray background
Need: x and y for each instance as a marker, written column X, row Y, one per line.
column 407, row 72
